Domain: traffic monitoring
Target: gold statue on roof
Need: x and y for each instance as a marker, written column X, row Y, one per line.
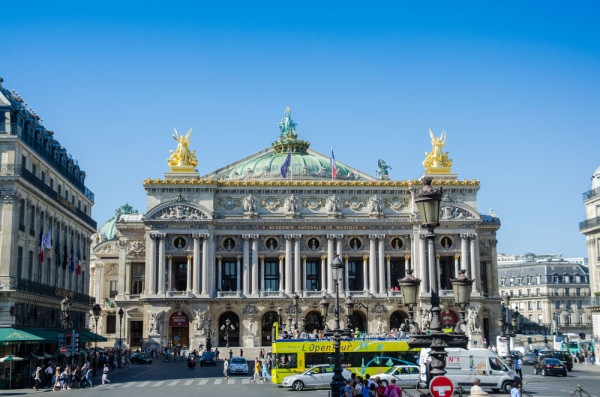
column 183, row 160
column 437, row 162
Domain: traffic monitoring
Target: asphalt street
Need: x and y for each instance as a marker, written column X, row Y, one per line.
column 174, row 378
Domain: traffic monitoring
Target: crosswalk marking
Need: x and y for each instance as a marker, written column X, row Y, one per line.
column 144, row 384
column 159, row 383
column 231, row 381
column 218, row 381
column 174, row 382
column 129, row 384
column 245, row 381
column 203, row 382
column 188, row 382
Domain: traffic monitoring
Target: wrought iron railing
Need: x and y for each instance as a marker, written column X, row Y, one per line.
column 591, row 194
column 594, row 222
column 591, row 301
column 40, row 149
column 33, row 287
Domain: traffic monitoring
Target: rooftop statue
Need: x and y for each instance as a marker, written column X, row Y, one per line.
column 182, row 160
column 287, row 127
column 437, row 161
column 382, row 168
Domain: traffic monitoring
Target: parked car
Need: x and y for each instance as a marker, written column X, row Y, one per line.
column 561, row 355
column 238, row 365
column 208, row 358
column 141, row 358
column 550, row 366
column 405, row 375
column 529, row 359
column 319, row 376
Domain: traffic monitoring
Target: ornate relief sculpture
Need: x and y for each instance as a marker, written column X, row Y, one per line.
column 180, row 212
column 333, row 206
column 291, row 206
column 473, row 320
column 249, row 204
column 199, row 320
column 182, row 160
column 374, row 207
column 437, row 161
column 155, row 323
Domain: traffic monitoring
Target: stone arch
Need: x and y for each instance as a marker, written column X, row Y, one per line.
column 183, row 210
column 266, row 326
column 231, row 338
column 314, row 321
column 397, row 319
column 358, row 320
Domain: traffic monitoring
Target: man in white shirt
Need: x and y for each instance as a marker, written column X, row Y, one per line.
column 516, row 390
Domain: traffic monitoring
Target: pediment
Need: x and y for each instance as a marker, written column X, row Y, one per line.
column 457, row 212
column 179, row 210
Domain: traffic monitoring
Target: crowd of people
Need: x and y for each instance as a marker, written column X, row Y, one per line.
column 395, row 333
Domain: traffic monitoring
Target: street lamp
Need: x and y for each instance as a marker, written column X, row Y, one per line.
column 208, row 339
column 428, row 200
column 295, row 301
column 461, row 286
column 337, row 382
column 324, row 306
column 121, row 312
column 506, row 332
column 280, row 319
column 409, row 287
column 226, row 328
column 349, row 303
column 96, row 310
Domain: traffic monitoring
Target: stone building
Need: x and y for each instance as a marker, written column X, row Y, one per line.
column 549, row 292
column 43, row 197
column 238, row 242
column 591, row 229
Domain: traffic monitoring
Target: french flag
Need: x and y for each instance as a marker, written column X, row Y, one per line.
column 333, row 167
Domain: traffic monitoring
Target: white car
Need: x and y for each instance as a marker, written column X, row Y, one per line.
column 405, row 375
column 238, row 365
column 319, row 376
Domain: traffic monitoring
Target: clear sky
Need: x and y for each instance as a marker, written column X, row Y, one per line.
column 514, row 84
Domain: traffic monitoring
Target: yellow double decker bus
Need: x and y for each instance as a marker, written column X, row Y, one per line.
column 362, row 356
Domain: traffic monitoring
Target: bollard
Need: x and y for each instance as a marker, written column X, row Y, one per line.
column 579, row 390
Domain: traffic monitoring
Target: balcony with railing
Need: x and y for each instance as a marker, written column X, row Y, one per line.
column 590, row 223
column 33, row 287
column 590, row 194
column 593, row 301
column 40, row 149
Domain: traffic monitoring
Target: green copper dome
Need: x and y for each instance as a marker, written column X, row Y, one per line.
column 108, row 230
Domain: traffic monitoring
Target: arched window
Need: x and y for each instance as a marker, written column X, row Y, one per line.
column 313, row 321
column 358, row 321
column 229, row 330
column 267, row 326
column 397, row 319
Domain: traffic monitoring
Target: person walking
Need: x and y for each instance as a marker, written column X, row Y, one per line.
column 37, row 378
column 256, row 375
column 519, row 366
column 226, row 369
column 230, row 354
column 516, row 390
column 88, row 377
column 216, row 353
column 105, row 374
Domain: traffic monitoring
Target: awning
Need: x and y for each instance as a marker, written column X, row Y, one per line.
column 13, row 335
column 88, row 336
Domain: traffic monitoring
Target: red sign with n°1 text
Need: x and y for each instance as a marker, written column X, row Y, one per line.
column 179, row 319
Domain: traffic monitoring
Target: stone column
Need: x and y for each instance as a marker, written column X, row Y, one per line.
column 464, row 253
column 210, row 263
column 196, row 264
column 127, row 278
column 161, row 264
column 474, row 243
column 476, row 268
column 122, row 274
column 246, row 264
column 372, row 265
column 346, row 286
column 388, row 272
column 323, row 274
column 381, row 267
column 304, row 273
column 205, row 253
column 423, row 268
column 281, row 274
column 188, row 281
column 239, row 273
column 261, row 272
column 289, row 275
column 297, row 268
column 150, row 287
column 340, row 241
column 255, row 265
column 456, row 265
column 406, row 263
column 365, row 273
column 492, row 281
column 170, row 274
column 219, row 274
column 330, row 257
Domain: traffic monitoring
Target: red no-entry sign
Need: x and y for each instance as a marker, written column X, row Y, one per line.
column 441, row 387
column 63, row 350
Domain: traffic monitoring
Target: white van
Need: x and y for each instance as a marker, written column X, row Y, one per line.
column 463, row 366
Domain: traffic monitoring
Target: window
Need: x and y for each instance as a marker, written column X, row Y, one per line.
column 540, row 319
column 43, row 177
column 287, row 360
column 19, row 262
column 539, row 305
column 567, row 278
column 520, row 292
column 531, row 318
column 355, row 282
column 578, row 291
column 530, row 305
column 271, row 275
column 538, row 280
column 520, row 280
column 568, row 304
column 521, row 306
column 22, row 216
column 528, row 292
column 30, row 266
column 569, row 319
column 51, row 183
column 537, row 292
column 528, row 280
column 557, row 304
column 113, row 288
column 313, row 275
column 34, row 169
column 137, row 278
column 579, row 304
column 567, row 291
column 580, row 318
column 511, row 293
column 111, row 323
column 23, row 161
column 512, row 281
column 32, row 221
column 503, row 282
column 59, row 189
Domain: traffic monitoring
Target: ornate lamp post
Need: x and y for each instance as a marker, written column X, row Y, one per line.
column 208, row 336
column 337, row 382
column 349, row 303
column 295, row 301
column 428, row 201
column 280, row 319
column 324, row 306
column 461, row 286
column 505, row 324
column 226, row 328
column 96, row 310
column 121, row 312
column 409, row 287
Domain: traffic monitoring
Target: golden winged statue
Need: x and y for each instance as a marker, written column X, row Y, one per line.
column 437, row 161
column 183, row 160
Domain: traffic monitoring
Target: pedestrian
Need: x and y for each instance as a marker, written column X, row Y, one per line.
column 519, row 367
column 516, row 390
column 392, row 390
column 348, row 390
column 226, row 369
column 88, row 377
column 48, row 376
column 216, row 353
column 105, row 374
column 256, row 375
column 37, row 378
column 230, row 354
column 241, row 353
column 265, row 372
column 56, row 379
column 380, row 387
column 261, row 355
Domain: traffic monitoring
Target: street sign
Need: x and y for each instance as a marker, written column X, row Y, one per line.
column 441, row 387
column 63, row 350
column 176, row 338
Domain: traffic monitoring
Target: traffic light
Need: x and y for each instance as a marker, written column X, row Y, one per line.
column 68, row 339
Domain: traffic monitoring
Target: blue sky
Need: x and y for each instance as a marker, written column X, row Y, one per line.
column 514, row 85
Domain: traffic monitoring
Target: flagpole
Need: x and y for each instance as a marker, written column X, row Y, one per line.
column 332, row 160
column 291, row 161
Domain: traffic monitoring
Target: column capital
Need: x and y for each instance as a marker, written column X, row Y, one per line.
column 157, row 235
column 423, row 236
column 303, row 257
column 456, row 256
column 334, row 236
column 170, row 257
column 366, row 258
column 324, row 257
column 189, row 257
column 473, row 236
column 219, row 258
column 281, row 258
column 239, row 257
column 406, row 257
column 127, row 263
column 288, row 236
column 387, row 257
column 437, row 257
column 465, row 235
column 378, row 236
column 261, row 259
column 346, row 257
column 198, row 236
